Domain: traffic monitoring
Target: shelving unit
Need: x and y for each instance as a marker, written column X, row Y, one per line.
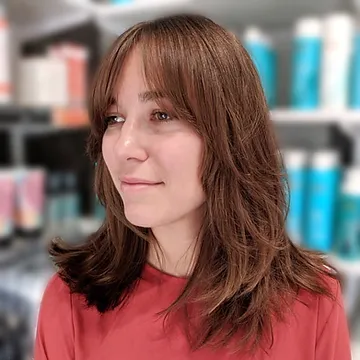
column 288, row 116
column 133, row 11
column 229, row 12
column 36, row 17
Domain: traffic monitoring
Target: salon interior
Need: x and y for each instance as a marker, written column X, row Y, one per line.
column 307, row 54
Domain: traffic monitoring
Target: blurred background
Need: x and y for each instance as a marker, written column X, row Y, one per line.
column 308, row 57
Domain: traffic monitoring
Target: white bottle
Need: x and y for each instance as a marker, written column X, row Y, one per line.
column 338, row 46
column 296, row 161
column 5, row 69
column 43, row 82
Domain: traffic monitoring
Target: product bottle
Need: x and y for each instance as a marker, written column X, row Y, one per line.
column 5, row 56
column 30, row 198
column 306, row 64
column 296, row 163
column 323, row 189
column 355, row 74
column 338, row 46
column 7, row 205
column 347, row 244
column 71, row 203
column 54, row 203
column 261, row 50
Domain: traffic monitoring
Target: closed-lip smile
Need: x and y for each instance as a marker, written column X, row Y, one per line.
column 137, row 181
column 135, row 184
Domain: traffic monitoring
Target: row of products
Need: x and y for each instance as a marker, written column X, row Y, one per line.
column 22, row 202
column 325, row 62
column 62, row 203
column 56, row 79
column 324, row 202
column 33, row 201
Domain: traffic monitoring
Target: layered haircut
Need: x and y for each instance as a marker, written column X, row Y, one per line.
column 247, row 272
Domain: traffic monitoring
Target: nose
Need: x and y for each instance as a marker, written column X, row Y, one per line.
column 130, row 143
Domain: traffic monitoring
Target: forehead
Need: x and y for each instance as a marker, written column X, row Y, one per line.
column 131, row 82
column 132, row 71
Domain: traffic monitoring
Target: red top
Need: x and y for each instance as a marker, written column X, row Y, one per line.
column 68, row 330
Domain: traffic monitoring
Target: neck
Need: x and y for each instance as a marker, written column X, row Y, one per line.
column 177, row 246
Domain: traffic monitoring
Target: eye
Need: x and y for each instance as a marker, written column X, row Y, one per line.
column 113, row 119
column 161, row 116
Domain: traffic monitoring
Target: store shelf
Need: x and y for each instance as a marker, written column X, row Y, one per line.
column 38, row 18
column 233, row 13
column 29, row 129
column 343, row 118
column 135, row 10
column 53, row 25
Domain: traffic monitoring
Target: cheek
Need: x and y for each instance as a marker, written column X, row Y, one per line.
column 182, row 159
column 107, row 150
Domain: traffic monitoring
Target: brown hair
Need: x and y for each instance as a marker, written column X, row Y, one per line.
column 247, row 269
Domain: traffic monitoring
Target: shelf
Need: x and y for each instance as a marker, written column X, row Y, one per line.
column 29, row 129
column 137, row 10
column 38, row 18
column 346, row 267
column 231, row 13
column 342, row 118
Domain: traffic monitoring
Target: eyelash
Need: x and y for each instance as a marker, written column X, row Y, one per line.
column 110, row 120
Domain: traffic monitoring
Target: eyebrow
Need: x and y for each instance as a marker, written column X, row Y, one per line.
column 143, row 97
column 150, row 96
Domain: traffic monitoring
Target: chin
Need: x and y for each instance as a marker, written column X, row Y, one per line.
column 144, row 219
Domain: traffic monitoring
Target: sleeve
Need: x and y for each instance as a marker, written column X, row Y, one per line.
column 333, row 340
column 55, row 333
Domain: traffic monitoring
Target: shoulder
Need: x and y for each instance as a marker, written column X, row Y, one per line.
column 322, row 306
column 56, row 290
column 328, row 305
column 55, row 330
column 322, row 321
column 56, row 303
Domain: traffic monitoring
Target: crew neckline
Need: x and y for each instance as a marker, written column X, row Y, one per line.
column 151, row 272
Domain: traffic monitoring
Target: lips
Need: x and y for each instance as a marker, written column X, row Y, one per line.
column 129, row 184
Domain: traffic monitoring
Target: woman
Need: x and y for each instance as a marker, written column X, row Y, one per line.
column 192, row 261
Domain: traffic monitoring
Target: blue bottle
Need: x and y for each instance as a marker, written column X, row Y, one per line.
column 355, row 75
column 347, row 242
column 306, row 66
column 323, row 189
column 70, row 201
column 54, row 203
column 296, row 164
column 263, row 55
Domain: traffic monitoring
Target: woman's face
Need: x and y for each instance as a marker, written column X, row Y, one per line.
column 152, row 156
